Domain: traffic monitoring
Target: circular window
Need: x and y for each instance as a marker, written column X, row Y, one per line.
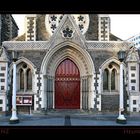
column 52, row 21
column 24, row 65
column 110, row 66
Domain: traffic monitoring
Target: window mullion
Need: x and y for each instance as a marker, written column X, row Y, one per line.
column 109, row 80
column 25, row 80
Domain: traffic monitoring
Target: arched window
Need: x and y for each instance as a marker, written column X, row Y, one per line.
column 110, row 77
column 113, row 79
column 24, row 77
column 21, row 79
column 105, row 79
column 29, row 79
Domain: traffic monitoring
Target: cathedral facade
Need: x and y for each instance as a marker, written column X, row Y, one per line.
column 69, row 61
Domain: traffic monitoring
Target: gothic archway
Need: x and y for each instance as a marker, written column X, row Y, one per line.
column 84, row 64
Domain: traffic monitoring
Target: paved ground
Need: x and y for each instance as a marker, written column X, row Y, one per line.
column 67, row 123
column 67, row 119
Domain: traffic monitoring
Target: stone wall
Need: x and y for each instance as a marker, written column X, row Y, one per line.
column 99, row 57
column 92, row 32
column 36, row 57
column 41, row 33
column 110, row 103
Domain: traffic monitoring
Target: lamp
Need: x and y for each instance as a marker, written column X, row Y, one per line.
column 14, row 118
column 121, row 119
column 121, row 55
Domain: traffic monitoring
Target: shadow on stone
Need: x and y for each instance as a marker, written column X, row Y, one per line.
column 67, row 121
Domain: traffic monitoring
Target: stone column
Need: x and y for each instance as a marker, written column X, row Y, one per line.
column 6, row 87
column 90, row 96
column 25, row 80
column 121, row 118
column 109, row 81
column 14, row 118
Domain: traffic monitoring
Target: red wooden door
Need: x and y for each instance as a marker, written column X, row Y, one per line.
column 67, row 86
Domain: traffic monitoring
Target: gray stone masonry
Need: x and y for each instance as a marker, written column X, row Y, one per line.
column 110, row 102
column 36, row 57
column 92, row 32
column 99, row 57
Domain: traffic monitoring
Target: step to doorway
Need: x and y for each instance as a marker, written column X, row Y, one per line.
column 66, row 111
column 74, row 113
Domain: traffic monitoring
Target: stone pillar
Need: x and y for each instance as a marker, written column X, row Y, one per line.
column 25, row 80
column 50, row 93
column 121, row 88
column 6, row 87
column 90, row 96
column 14, row 118
column 35, row 88
column 121, row 118
column 100, row 82
column 109, row 81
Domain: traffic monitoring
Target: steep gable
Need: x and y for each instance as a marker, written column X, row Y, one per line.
column 133, row 55
column 67, row 31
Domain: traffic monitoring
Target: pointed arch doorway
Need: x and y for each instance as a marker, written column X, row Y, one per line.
column 67, row 85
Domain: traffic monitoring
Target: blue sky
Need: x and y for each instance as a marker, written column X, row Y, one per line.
column 122, row 25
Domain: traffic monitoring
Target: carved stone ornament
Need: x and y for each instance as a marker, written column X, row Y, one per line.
column 52, row 21
column 67, row 32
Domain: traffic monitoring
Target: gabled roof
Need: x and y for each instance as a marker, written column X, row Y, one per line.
column 133, row 55
column 67, row 22
column 19, row 38
column 114, row 38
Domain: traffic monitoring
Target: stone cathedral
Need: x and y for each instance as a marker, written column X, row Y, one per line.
column 69, row 61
